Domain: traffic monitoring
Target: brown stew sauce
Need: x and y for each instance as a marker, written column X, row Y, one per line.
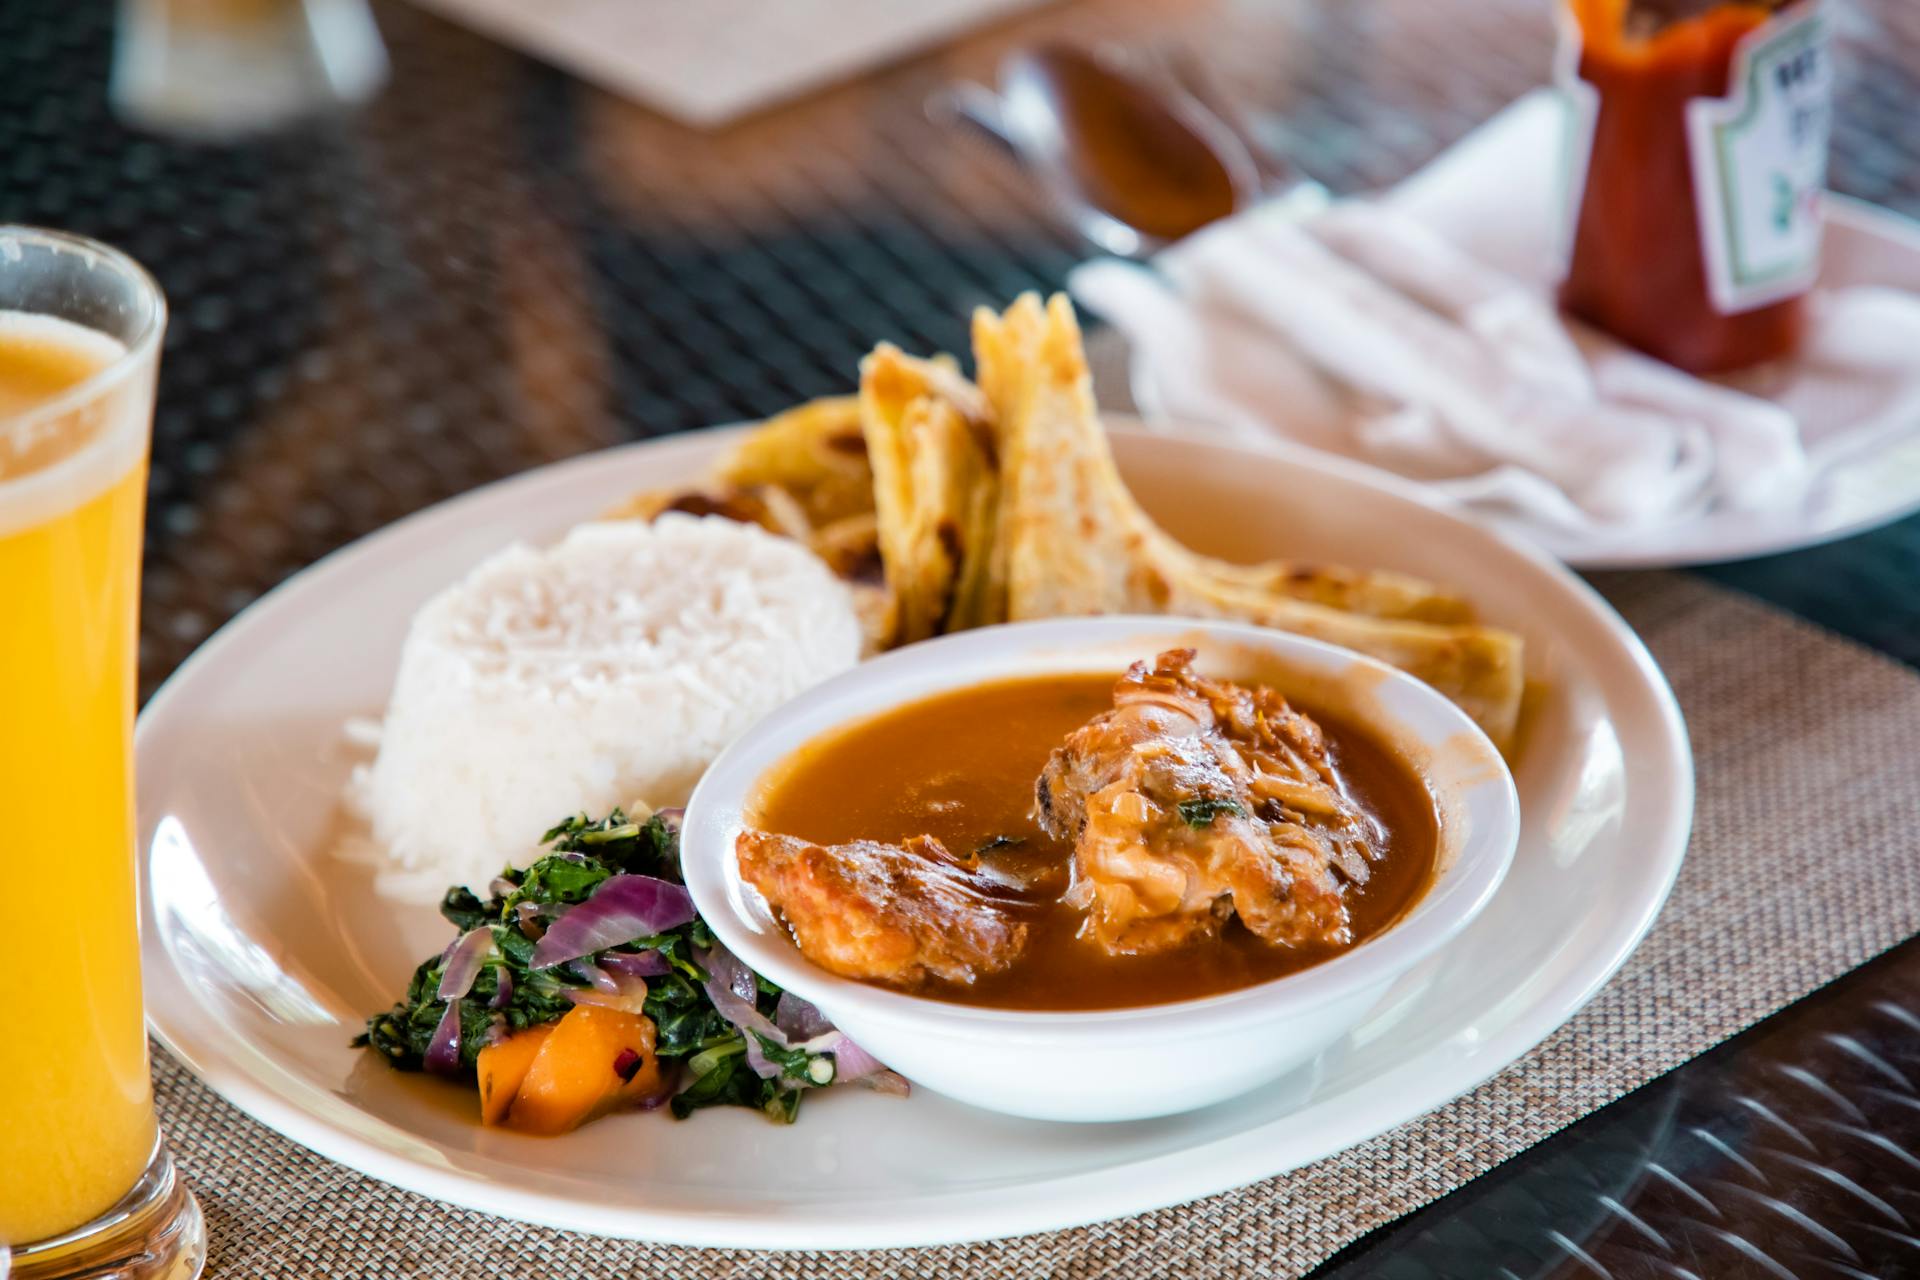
column 961, row 766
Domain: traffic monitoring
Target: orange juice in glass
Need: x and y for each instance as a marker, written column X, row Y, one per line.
column 86, row 1188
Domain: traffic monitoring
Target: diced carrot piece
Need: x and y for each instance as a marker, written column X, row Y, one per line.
column 502, row 1067
column 584, row 1068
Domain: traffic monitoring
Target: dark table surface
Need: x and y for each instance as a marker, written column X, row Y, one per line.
column 493, row 266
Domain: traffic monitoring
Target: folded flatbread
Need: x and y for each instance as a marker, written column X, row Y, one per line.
column 1073, row 541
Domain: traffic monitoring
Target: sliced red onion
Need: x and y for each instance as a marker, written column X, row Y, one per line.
column 731, row 972
column 501, row 887
column 852, row 1064
column 504, row 994
column 443, row 1051
column 463, row 961
column 801, row 1026
column 644, row 964
column 671, row 817
column 623, row 908
column 593, row 973
column 798, row 1019
column 629, row 995
column 727, row 978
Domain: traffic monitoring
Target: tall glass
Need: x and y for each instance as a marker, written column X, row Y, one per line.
column 86, row 1187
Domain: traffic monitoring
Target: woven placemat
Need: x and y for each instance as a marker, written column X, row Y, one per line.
column 1808, row 751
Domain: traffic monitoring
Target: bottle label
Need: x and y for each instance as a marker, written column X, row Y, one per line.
column 1760, row 162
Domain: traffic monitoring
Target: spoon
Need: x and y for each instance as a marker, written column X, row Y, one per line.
column 1133, row 166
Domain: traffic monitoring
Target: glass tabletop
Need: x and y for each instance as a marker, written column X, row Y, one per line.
column 493, row 265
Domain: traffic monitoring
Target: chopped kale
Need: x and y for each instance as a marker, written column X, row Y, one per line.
column 711, row 1053
column 463, row 910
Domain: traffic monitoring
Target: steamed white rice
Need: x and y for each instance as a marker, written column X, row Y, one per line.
column 611, row 668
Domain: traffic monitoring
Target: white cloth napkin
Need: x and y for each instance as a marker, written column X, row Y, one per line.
column 1417, row 331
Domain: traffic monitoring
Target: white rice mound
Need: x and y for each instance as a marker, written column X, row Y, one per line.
column 611, row 668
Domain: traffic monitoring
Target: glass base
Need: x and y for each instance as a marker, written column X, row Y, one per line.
column 154, row 1233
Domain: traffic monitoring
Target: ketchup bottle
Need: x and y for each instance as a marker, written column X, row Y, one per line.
column 1699, row 154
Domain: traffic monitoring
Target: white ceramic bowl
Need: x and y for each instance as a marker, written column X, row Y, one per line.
column 1125, row 1063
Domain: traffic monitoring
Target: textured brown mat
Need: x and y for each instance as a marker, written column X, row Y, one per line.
column 1808, row 752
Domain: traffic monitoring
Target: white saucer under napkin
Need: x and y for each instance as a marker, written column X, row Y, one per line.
column 1416, row 331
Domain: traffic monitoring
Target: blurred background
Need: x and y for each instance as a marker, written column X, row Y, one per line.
column 405, row 258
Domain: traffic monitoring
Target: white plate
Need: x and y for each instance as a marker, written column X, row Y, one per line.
column 1871, row 486
column 263, row 954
